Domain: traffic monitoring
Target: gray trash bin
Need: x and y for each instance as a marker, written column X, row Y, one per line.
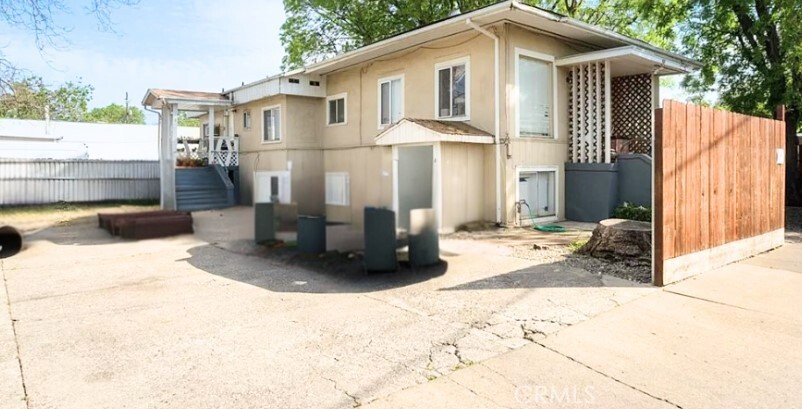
column 312, row 234
column 424, row 242
column 380, row 243
column 264, row 227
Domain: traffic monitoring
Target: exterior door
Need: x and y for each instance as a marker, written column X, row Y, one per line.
column 415, row 181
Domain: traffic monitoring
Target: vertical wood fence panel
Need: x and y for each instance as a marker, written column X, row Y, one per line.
column 49, row 181
column 719, row 191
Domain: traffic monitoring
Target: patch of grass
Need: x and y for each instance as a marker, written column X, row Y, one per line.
column 577, row 244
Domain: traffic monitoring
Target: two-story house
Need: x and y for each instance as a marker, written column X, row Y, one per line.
column 477, row 116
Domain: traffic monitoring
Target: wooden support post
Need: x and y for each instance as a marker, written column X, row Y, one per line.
column 211, row 135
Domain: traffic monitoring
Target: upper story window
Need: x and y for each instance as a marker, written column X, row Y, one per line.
column 452, row 89
column 271, row 124
column 534, row 82
column 391, row 100
column 336, row 109
column 246, row 119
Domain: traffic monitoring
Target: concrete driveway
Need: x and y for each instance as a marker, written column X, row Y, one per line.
column 731, row 338
column 89, row 321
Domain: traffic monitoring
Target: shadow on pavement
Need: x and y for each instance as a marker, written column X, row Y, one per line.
column 291, row 271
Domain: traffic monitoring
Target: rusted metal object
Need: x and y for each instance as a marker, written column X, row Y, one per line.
column 10, row 241
column 146, row 225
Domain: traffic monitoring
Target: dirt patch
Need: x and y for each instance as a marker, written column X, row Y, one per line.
column 29, row 219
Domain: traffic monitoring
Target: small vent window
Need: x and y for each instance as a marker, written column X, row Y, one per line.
column 314, row 83
column 295, row 81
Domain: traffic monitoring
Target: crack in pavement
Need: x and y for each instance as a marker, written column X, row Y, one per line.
column 14, row 332
column 337, row 387
column 570, row 358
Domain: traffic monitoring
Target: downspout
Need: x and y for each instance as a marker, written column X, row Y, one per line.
column 497, row 126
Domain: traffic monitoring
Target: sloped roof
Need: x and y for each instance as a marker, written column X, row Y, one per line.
column 414, row 130
column 188, row 100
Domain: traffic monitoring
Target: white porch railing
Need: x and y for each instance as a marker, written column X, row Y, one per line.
column 225, row 152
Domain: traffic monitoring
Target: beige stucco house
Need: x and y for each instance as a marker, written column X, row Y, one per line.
column 476, row 116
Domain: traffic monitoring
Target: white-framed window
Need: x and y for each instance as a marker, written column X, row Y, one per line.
column 452, row 89
column 271, row 187
column 336, row 109
column 246, row 119
column 338, row 189
column 271, row 124
column 535, row 85
column 391, row 100
column 537, row 192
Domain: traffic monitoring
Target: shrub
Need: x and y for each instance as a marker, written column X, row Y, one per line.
column 632, row 212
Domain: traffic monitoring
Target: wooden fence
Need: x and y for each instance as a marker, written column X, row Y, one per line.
column 719, row 188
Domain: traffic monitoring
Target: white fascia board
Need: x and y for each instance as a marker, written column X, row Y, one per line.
column 458, row 20
column 659, row 59
column 603, row 32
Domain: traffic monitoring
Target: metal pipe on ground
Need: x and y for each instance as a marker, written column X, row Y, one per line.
column 10, row 241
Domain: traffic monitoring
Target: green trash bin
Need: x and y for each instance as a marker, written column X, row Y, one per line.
column 380, row 240
column 312, row 234
column 424, row 242
column 264, row 227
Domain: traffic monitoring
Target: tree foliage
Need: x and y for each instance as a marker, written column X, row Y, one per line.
column 318, row 29
column 184, row 120
column 41, row 18
column 30, row 98
column 752, row 55
column 116, row 114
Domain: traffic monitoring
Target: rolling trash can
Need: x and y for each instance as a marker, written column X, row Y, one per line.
column 264, row 227
column 312, row 234
column 424, row 242
column 380, row 240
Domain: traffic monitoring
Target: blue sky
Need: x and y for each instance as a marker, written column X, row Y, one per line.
column 203, row 45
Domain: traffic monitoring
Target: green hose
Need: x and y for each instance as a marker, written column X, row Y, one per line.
column 548, row 228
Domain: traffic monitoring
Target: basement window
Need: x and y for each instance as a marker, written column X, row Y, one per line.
column 537, row 193
column 338, row 189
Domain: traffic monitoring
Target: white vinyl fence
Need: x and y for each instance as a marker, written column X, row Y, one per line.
column 49, row 181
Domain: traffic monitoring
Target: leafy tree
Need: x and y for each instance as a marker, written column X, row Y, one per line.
column 184, row 120
column 752, row 50
column 40, row 17
column 116, row 114
column 317, row 29
column 30, row 98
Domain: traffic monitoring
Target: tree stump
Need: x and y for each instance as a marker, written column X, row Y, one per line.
column 620, row 239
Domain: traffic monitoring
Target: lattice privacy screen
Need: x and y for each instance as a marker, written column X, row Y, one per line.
column 586, row 113
column 632, row 113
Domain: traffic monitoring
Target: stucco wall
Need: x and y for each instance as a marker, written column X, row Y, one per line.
column 370, row 171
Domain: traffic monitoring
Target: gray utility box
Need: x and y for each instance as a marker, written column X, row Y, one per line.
column 264, row 227
column 312, row 234
column 424, row 242
column 380, row 240
column 591, row 191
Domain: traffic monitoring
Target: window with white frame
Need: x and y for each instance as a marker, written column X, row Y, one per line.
column 271, row 124
column 391, row 100
column 537, row 193
column 336, row 110
column 452, row 89
column 246, row 119
column 272, row 187
column 535, row 114
column 338, row 189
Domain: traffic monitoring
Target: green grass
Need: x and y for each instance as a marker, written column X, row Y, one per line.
column 577, row 244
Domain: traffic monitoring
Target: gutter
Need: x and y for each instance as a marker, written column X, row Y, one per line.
column 497, row 120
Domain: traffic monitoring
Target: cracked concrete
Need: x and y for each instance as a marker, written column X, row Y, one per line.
column 181, row 323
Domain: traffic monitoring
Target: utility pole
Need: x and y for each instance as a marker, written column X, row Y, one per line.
column 126, row 107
